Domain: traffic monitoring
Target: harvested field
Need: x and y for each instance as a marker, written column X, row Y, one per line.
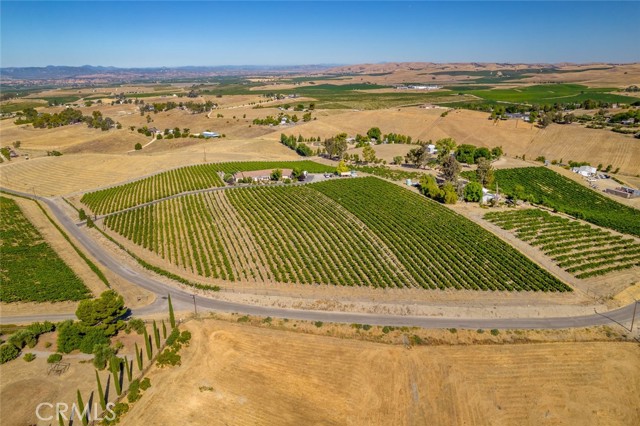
column 262, row 376
column 83, row 172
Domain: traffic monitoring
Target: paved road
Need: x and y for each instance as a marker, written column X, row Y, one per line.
column 183, row 299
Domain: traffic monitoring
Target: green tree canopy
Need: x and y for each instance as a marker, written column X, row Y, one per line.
column 473, row 192
column 374, row 133
column 102, row 312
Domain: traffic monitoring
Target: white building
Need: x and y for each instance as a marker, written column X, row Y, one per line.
column 585, row 170
column 431, row 149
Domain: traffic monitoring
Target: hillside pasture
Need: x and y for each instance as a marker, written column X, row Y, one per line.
column 268, row 376
column 84, row 172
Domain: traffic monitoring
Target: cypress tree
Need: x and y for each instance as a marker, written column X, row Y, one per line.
column 164, row 330
column 128, row 366
column 156, row 334
column 60, row 420
column 172, row 317
column 115, row 370
column 139, row 357
column 147, row 343
column 81, row 412
column 103, row 403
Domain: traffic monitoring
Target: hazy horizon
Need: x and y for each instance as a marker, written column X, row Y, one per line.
column 172, row 34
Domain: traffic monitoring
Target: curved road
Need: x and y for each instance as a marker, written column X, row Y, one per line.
column 184, row 299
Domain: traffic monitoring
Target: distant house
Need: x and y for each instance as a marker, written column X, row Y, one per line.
column 487, row 196
column 431, row 149
column 624, row 192
column 628, row 121
column 518, row 116
column 210, row 134
column 585, row 170
column 260, row 175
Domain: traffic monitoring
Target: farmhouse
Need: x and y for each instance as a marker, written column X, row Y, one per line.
column 518, row 116
column 431, row 149
column 260, row 175
column 208, row 134
column 585, row 170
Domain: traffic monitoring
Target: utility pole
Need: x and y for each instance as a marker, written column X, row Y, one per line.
column 195, row 307
column 204, row 150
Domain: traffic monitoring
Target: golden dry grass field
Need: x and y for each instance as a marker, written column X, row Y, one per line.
column 81, row 172
column 261, row 376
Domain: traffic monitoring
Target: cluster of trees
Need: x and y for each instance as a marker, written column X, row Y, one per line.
column 445, row 193
column 26, row 337
column 301, row 107
column 198, row 108
column 420, row 156
column 368, row 157
column 299, row 147
column 97, row 121
column 471, row 154
column 100, row 319
column 63, row 118
column 631, row 113
column 336, row 146
column 274, row 121
column 375, row 135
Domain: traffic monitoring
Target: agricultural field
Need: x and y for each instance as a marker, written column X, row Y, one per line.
column 352, row 232
column 152, row 188
column 543, row 186
column 548, row 94
column 180, row 180
column 31, row 270
column 580, row 249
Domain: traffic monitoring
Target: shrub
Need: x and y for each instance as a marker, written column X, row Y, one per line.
column 53, row 358
column 480, row 331
column 453, row 330
column 168, row 357
column 318, row 324
column 185, row 337
column 29, row 357
column 145, row 384
column 416, row 340
column 366, row 327
column 135, row 324
column 495, row 332
column 173, row 337
column 138, row 146
column 134, row 391
column 8, row 352
column 386, row 329
column 244, row 318
column 69, row 336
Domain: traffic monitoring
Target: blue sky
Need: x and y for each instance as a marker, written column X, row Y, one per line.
column 144, row 34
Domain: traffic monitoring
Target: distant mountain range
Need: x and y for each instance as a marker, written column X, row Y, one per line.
column 88, row 72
